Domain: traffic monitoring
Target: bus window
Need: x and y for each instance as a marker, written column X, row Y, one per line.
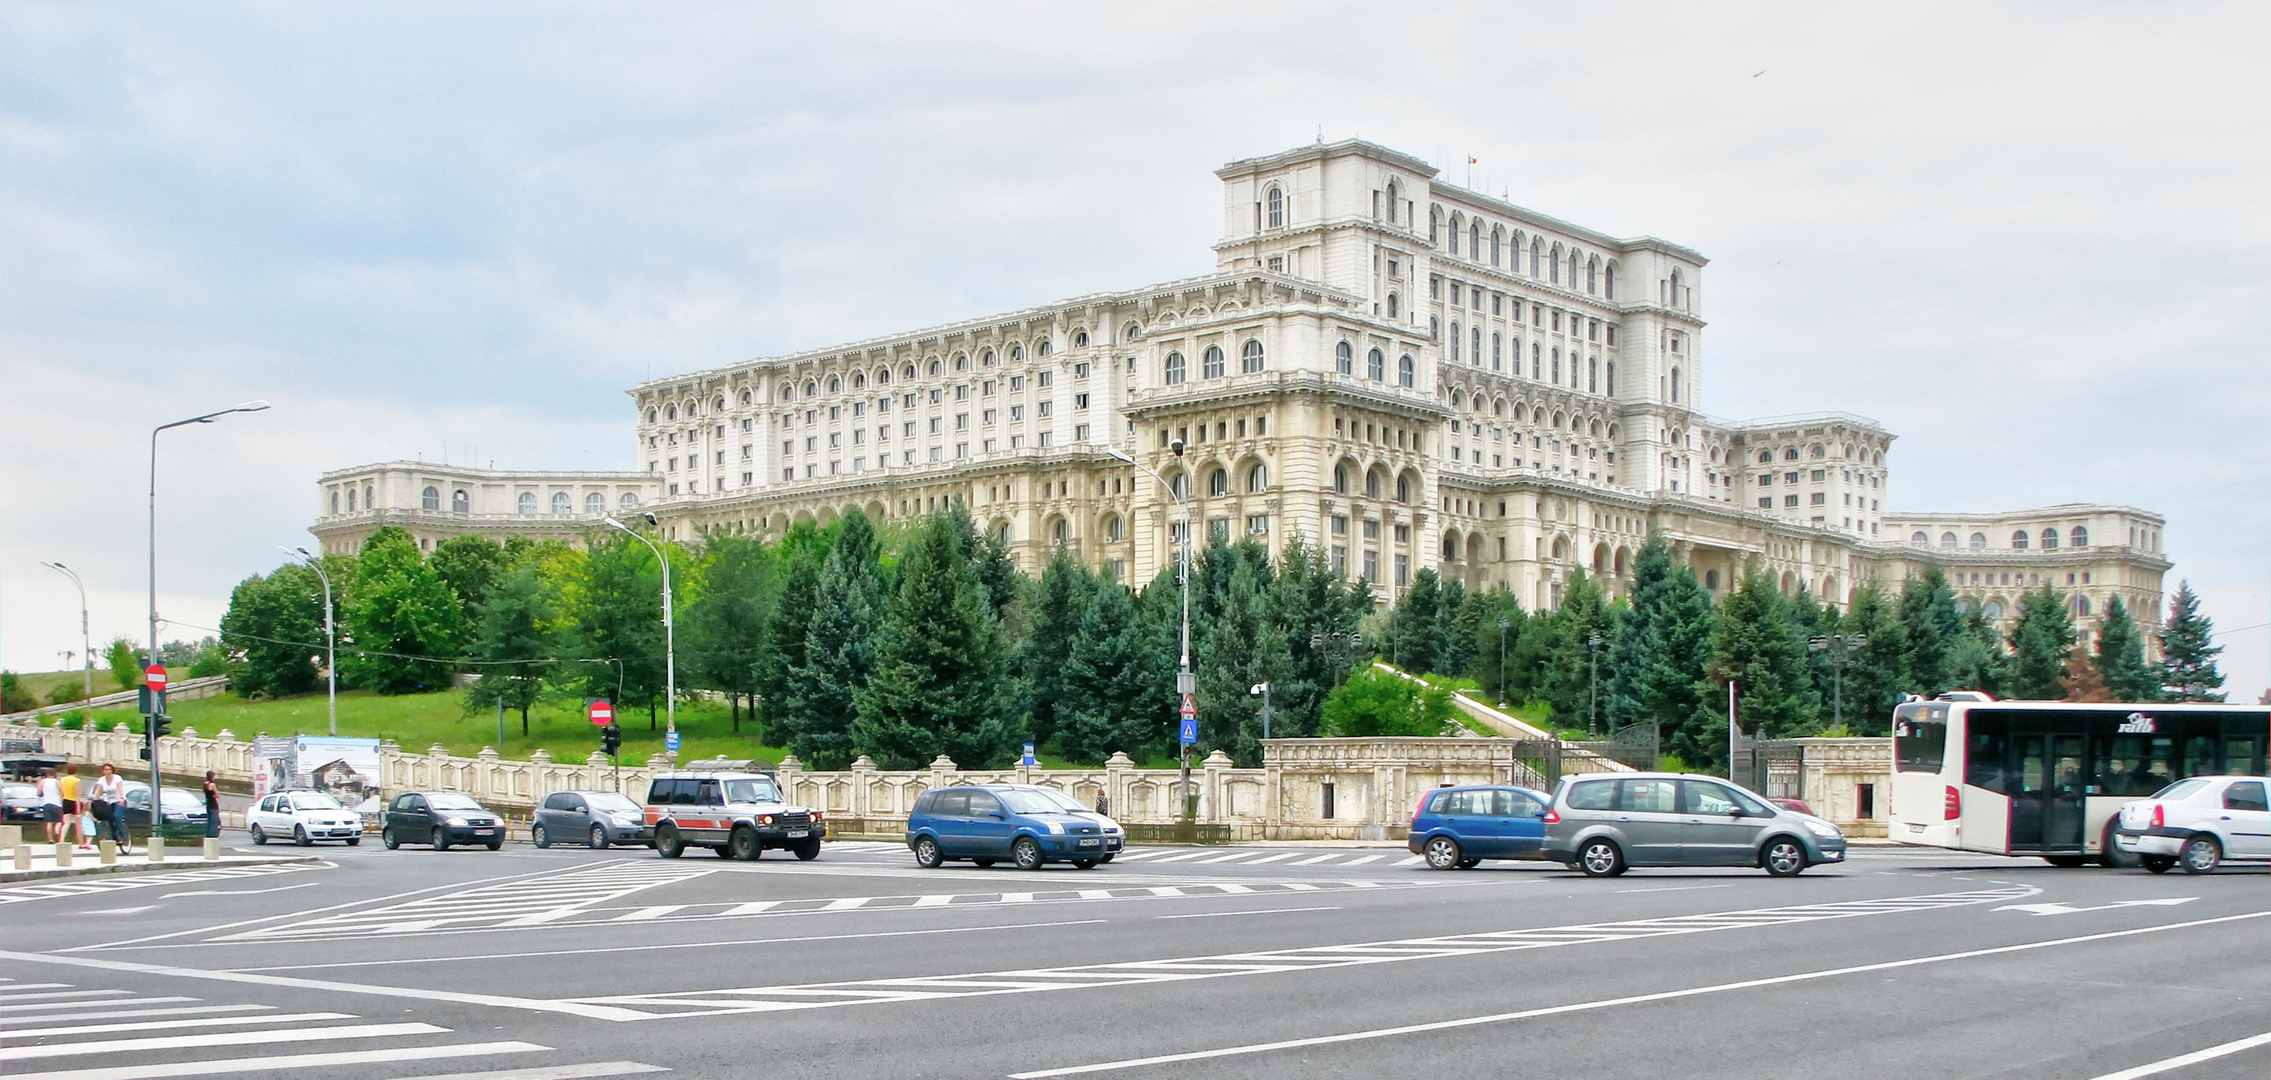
column 2239, row 756
column 1983, row 759
column 1919, row 744
column 2201, row 758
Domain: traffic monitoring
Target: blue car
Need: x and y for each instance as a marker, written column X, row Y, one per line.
column 1031, row 826
column 1458, row 827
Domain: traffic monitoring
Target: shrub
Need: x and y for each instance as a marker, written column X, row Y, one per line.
column 1376, row 703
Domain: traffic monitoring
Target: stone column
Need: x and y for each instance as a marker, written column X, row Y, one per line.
column 1116, row 770
column 863, row 789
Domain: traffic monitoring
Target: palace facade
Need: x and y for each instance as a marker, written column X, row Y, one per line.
column 1404, row 372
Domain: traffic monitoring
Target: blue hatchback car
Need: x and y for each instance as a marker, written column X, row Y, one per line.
column 1457, row 827
column 1030, row 826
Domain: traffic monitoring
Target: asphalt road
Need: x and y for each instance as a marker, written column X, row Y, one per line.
column 1244, row 962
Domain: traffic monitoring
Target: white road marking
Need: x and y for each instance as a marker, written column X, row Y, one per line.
column 2063, row 909
column 185, row 1022
column 186, row 1010
column 1361, row 860
column 121, row 1000
column 224, row 1038
column 1262, row 911
column 2194, row 1058
column 1679, row 888
column 1180, row 856
column 879, row 991
column 754, row 907
column 649, row 948
column 284, row 1061
column 7, row 1000
column 495, row 1000
column 1606, row 1003
column 113, row 883
column 241, row 892
column 122, row 910
column 1273, row 858
column 555, row 1072
column 650, row 912
column 1314, row 859
column 1232, row 857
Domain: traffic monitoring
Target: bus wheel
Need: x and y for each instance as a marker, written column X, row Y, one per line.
column 2064, row 862
column 2110, row 854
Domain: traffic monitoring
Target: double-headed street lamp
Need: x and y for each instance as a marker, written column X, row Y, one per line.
column 1185, row 682
column 86, row 647
column 669, row 634
column 1838, row 646
column 330, row 633
column 156, row 781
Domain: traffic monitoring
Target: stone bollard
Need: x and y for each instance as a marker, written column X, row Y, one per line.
column 212, row 849
column 107, row 852
column 23, row 857
column 11, row 836
column 63, row 855
column 157, row 848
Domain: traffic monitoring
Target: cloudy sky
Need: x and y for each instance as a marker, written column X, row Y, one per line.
column 2029, row 238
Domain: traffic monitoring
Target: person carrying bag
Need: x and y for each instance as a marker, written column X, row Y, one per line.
column 110, row 805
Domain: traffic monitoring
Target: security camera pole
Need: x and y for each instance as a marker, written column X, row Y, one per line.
column 1263, row 689
column 669, row 635
column 330, row 636
column 1186, row 683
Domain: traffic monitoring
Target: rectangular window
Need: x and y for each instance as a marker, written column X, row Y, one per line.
column 1080, row 431
column 962, row 392
column 987, row 417
column 1766, row 502
column 1017, row 412
column 961, row 449
column 1080, row 401
column 1790, row 501
column 1045, row 437
column 961, row 421
column 1045, row 377
column 988, row 388
column 1371, row 530
column 1045, row 408
column 1403, row 570
column 1258, row 525
column 1371, row 565
column 1340, row 558
column 1080, row 370
column 1403, row 534
column 1340, row 524
column 989, row 446
column 1821, row 498
column 1017, row 382
column 835, row 439
column 835, row 412
column 936, row 452
column 934, row 422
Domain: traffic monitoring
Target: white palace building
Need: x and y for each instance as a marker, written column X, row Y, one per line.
column 1405, row 372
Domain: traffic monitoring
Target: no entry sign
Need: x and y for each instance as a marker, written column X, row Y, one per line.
column 154, row 676
column 602, row 713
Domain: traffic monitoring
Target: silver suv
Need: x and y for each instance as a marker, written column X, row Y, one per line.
column 737, row 814
column 1606, row 824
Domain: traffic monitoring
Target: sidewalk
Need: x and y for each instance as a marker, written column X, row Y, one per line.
column 88, row 863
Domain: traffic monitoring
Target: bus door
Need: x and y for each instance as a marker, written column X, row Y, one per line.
column 2047, row 778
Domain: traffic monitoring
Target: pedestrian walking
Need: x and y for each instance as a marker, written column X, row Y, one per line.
column 212, row 805
column 51, row 805
column 74, row 808
column 110, row 804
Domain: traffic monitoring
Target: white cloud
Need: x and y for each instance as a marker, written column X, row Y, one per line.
column 2031, row 239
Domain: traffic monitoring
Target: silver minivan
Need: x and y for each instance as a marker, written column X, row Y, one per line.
column 1606, row 823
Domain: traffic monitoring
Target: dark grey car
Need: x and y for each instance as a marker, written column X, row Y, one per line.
column 595, row 819
column 1604, row 824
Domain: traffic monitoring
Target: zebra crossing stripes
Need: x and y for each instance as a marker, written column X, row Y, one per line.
column 1265, row 856
column 115, row 882
column 241, row 1039
column 533, row 901
column 1312, row 958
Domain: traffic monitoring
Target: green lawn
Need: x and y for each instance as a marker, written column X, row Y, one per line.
column 418, row 721
column 44, row 683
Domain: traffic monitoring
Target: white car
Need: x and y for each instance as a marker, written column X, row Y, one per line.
column 305, row 816
column 2199, row 824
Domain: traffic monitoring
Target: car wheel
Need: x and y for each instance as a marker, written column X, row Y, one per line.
column 1783, row 857
column 808, row 850
column 1442, row 853
column 300, row 836
column 927, row 853
column 496, row 843
column 667, row 842
column 1469, row 864
column 258, row 837
column 1027, row 852
column 742, row 845
column 983, row 863
column 2157, row 864
column 1084, row 864
column 2110, row 854
column 1104, row 860
column 354, row 841
column 537, row 836
column 441, row 840
column 599, row 838
column 1600, row 858
column 2201, row 855
column 386, row 836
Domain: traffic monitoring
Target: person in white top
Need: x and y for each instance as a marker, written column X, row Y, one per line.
column 110, row 804
column 51, row 805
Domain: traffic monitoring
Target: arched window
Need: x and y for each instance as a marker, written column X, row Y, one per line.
column 1372, row 484
column 1711, row 580
column 2081, row 605
column 907, row 373
column 1392, row 192
column 527, row 503
column 2049, row 539
column 1947, row 540
column 1005, row 534
column 1993, row 610
column 1403, row 489
column 1044, row 348
column 1553, row 266
column 936, row 368
column 1979, row 541
column 1533, row 258
column 859, row 380
column 1257, row 479
column 986, row 359
column 430, row 499
column 1593, row 375
column 812, row 389
column 1407, row 371
column 1765, row 457
column 1250, row 359
column 1340, row 479
column 719, row 404
column 562, row 504
column 1818, row 452
column 1676, row 392
column 460, row 501
column 2019, row 540
column 1179, row 485
column 1375, row 366
column 1112, row 529
column 1497, row 352
column 595, row 503
column 335, row 502
column 629, row 501
column 1344, row 358
column 1592, row 275
column 1474, row 346
column 672, row 412
column 1474, row 240
column 1175, row 370
column 746, row 398
column 1674, row 299
column 1790, row 453
column 1572, row 268
column 1080, row 339
column 1434, row 226
column 1061, row 532
column 1391, row 305
column 1497, row 240
column 2079, row 538
column 1213, row 362
column 1609, row 281
column 835, row 385
column 1454, row 342
column 1609, row 385
column 961, row 361
column 1276, row 208
column 650, row 416
column 1218, row 482
column 1920, row 540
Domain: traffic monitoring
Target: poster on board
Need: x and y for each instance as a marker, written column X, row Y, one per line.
column 347, row 769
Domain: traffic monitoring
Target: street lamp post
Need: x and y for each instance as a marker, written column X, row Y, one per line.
column 1592, row 686
column 1263, row 689
column 669, row 634
column 1838, row 646
column 157, row 802
column 86, row 648
column 1186, row 682
column 1504, row 624
column 330, row 635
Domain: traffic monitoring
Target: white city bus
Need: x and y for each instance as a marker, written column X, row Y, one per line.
column 2047, row 777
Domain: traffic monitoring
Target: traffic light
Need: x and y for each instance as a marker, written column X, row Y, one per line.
column 611, row 739
column 161, row 726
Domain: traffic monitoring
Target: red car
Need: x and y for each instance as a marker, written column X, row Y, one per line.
column 1798, row 805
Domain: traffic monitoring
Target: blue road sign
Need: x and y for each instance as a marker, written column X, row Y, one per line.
column 670, row 741
column 1190, row 731
column 1028, row 758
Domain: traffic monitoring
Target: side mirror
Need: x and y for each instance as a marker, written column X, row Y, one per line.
column 1736, row 811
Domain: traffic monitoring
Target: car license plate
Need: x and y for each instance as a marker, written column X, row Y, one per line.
column 795, row 834
column 483, row 832
column 1090, row 843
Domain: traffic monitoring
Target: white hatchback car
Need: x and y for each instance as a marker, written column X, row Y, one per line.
column 2199, row 824
column 305, row 817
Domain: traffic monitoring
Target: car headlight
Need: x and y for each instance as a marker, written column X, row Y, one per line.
column 1057, row 827
column 454, row 822
column 1822, row 828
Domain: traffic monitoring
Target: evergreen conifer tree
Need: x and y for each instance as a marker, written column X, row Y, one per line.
column 1053, row 613
column 1497, row 647
column 1240, row 648
column 1875, row 673
column 1571, row 664
column 940, row 665
column 788, row 627
column 1416, row 630
column 1317, row 612
column 1930, row 626
column 2039, row 646
column 2120, row 657
column 1459, row 616
column 1105, row 698
column 822, row 702
column 1978, row 659
column 2188, row 659
column 1754, row 644
column 1662, row 646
